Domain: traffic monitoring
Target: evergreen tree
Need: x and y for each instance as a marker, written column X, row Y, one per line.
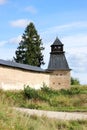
column 30, row 48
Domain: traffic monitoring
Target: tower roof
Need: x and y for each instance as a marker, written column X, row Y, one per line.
column 57, row 42
column 57, row 57
column 58, row 62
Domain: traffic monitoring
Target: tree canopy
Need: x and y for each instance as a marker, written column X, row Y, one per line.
column 30, row 48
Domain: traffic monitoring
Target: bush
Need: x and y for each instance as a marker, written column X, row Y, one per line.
column 30, row 92
column 74, row 81
column 45, row 88
column 49, row 91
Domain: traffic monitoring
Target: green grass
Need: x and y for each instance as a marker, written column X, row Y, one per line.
column 73, row 99
column 13, row 120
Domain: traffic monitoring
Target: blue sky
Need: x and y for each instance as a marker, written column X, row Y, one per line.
column 66, row 19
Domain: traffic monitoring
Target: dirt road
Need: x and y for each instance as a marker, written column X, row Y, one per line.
column 57, row 115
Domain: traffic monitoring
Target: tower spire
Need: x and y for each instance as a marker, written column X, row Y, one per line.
column 57, row 57
column 57, row 47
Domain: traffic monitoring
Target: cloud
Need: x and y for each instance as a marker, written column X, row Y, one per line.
column 65, row 27
column 76, row 40
column 2, row 43
column 77, row 59
column 31, row 9
column 20, row 23
column 78, row 63
column 3, row 2
column 76, row 52
column 7, row 53
column 14, row 40
column 81, row 76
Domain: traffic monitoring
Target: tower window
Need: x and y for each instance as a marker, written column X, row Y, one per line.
column 59, row 47
column 55, row 47
column 53, row 82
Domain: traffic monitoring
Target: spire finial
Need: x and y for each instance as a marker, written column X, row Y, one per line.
column 56, row 37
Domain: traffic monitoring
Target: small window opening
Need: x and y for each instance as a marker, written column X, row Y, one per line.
column 53, row 82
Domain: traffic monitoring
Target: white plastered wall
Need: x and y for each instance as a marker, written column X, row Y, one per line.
column 15, row 79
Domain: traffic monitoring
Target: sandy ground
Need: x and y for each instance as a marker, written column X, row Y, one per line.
column 56, row 115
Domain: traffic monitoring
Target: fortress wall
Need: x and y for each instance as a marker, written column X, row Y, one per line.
column 15, row 79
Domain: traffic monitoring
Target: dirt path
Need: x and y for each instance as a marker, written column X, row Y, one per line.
column 57, row 115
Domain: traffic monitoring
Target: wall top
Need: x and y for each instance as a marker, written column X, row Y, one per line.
column 20, row 66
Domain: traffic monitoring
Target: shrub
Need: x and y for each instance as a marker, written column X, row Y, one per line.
column 74, row 81
column 49, row 91
column 30, row 92
column 45, row 88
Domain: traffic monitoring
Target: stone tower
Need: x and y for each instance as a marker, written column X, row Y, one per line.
column 58, row 67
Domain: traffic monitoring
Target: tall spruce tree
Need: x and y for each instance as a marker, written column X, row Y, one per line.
column 30, row 48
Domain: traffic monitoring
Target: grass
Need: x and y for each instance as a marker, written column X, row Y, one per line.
column 73, row 99
column 13, row 120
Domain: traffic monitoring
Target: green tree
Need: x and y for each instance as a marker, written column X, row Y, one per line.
column 74, row 81
column 30, row 48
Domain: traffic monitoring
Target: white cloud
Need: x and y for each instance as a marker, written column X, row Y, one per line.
column 76, row 52
column 7, row 53
column 2, row 43
column 65, row 27
column 20, row 23
column 78, row 62
column 14, row 40
column 77, row 59
column 75, row 40
column 3, row 2
column 31, row 9
column 79, row 24
column 82, row 77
